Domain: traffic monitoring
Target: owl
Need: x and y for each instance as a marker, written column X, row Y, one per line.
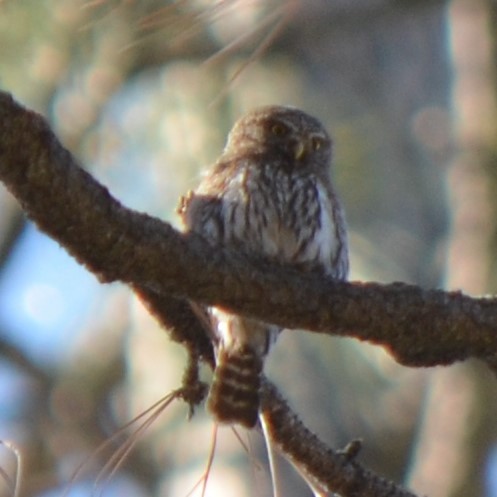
column 270, row 194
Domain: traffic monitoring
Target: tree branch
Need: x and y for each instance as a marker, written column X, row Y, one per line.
column 168, row 268
column 329, row 472
column 419, row 327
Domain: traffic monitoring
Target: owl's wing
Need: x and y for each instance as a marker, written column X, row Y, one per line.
column 340, row 260
column 203, row 214
column 202, row 210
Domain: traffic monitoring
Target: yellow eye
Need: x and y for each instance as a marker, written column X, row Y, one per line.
column 317, row 143
column 279, row 129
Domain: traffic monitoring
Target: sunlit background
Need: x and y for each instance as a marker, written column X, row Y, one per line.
column 143, row 94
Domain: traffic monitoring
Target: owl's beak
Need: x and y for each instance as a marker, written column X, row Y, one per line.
column 300, row 149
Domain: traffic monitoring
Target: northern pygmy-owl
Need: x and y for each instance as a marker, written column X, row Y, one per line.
column 271, row 194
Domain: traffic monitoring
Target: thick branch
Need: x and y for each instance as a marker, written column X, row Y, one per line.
column 420, row 327
column 167, row 268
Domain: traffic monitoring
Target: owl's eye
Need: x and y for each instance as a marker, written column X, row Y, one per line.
column 279, row 129
column 317, row 143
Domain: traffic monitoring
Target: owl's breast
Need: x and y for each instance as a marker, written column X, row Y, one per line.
column 286, row 218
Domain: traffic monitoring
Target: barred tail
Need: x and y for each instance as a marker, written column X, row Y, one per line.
column 234, row 394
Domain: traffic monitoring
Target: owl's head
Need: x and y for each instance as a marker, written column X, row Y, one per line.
column 283, row 133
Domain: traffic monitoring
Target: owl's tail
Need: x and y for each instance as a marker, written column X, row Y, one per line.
column 234, row 396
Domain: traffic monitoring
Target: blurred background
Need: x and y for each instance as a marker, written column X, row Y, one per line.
column 144, row 93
